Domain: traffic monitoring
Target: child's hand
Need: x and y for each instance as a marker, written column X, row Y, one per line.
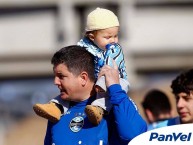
column 111, row 74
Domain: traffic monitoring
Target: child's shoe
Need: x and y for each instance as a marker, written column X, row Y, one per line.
column 48, row 111
column 94, row 114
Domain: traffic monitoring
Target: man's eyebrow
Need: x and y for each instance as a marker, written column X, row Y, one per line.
column 58, row 73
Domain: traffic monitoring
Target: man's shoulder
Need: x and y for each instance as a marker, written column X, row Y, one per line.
column 168, row 122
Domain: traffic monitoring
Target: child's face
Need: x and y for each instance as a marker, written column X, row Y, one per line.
column 105, row 36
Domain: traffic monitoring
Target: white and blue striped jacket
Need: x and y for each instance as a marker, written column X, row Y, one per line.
column 104, row 57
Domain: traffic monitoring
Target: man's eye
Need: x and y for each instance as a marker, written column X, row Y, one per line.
column 61, row 76
column 187, row 98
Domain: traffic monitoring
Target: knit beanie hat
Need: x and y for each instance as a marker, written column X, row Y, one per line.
column 101, row 19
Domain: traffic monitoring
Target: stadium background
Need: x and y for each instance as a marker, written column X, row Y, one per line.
column 156, row 36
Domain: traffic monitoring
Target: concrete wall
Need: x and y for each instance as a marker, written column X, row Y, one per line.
column 31, row 31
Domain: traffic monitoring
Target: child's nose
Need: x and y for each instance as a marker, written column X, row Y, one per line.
column 114, row 40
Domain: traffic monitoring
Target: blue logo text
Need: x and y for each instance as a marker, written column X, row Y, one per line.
column 170, row 137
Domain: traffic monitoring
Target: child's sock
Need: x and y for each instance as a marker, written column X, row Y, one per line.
column 94, row 114
column 50, row 111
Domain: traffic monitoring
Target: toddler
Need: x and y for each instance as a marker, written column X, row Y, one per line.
column 101, row 40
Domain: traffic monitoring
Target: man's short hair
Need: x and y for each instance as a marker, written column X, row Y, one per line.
column 157, row 102
column 76, row 58
column 183, row 83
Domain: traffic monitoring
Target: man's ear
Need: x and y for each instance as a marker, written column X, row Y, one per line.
column 150, row 116
column 84, row 78
column 91, row 36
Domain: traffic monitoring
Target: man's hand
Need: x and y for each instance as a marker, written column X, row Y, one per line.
column 111, row 74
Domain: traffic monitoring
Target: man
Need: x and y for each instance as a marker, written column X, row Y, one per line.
column 157, row 107
column 74, row 75
column 182, row 88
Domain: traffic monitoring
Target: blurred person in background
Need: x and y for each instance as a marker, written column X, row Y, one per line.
column 100, row 39
column 157, row 107
column 182, row 88
column 74, row 76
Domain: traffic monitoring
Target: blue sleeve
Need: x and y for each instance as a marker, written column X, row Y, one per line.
column 48, row 137
column 129, row 122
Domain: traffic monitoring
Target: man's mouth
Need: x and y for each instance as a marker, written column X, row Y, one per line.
column 62, row 90
column 183, row 114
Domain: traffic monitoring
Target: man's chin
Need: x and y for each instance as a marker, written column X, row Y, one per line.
column 64, row 97
column 185, row 120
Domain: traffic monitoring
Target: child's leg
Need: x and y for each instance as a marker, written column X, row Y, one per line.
column 97, row 109
column 102, row 104
column 102, row 101
column 62, row 103
column 52, row 110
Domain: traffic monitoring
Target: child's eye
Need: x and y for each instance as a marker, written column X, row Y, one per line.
column 107, row 37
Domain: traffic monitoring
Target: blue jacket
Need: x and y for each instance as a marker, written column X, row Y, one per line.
column 118, row 128
column 168, row 122
column 115, row 53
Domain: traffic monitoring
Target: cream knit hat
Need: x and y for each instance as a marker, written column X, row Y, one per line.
column 101, row 19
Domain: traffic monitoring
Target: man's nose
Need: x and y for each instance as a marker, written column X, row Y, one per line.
column 56, row 81
column 180, row 103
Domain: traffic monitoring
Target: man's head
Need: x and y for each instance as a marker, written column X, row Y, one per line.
column 156, row 106
column 102, row 27
column 182, row 88
column 74, row 72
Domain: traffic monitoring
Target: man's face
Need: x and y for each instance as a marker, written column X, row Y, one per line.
column 184, row 103
column 69, row 84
